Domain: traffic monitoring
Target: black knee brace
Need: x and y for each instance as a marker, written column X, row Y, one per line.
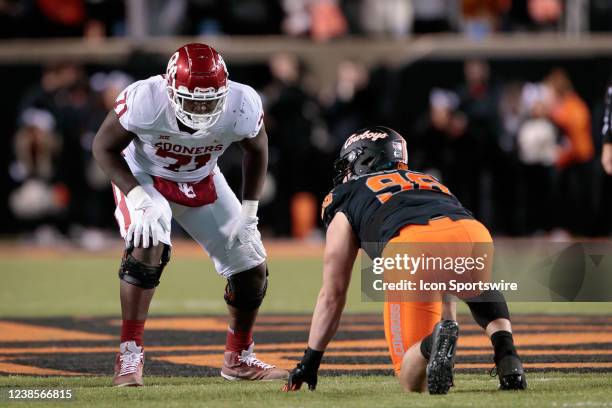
column 245, row 292
column 488, row 306
column 138, row 273
column 426, row 344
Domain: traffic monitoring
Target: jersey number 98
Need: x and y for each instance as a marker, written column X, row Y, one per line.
column 387, row 184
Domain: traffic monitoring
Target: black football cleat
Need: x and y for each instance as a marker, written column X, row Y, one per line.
column 441, row 365
column 511, row 374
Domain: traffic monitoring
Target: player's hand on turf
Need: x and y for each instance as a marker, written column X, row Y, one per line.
column 299, row 376
column 148, row 220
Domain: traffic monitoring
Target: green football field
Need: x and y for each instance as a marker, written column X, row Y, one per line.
column 551, row 390
column 78, row 291
column 87, row 285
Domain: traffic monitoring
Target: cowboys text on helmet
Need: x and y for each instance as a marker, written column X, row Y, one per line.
column 364, row 135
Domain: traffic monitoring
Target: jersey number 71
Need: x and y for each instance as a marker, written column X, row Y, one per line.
column 183, row 160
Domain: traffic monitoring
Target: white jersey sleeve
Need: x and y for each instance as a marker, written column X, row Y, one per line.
column 138, row 106
column 250, row 115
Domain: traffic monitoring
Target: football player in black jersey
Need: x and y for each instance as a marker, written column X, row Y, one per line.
column 377, row 200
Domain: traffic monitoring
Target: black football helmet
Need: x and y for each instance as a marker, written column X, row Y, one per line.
column 369, row 150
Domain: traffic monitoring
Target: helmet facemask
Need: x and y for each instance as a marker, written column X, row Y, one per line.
column 182, row 96
column 344, row 166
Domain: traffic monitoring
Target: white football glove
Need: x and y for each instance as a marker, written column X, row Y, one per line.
column 148, row 220
column 244, row 228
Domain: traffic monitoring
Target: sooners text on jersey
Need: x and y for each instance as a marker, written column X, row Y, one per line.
column 161, row 149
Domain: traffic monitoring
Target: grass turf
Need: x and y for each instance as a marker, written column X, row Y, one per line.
column 556, row 390
column 88, row 286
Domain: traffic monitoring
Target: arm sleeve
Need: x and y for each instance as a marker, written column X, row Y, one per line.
column 250, row 118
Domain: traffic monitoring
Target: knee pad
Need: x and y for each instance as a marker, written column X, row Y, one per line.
column 245, row 292
column 488, row 306
column 138, row 273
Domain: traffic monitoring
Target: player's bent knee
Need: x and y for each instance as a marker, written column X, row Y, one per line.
column 246, row 290
column 412, row 373
column 139, row 272
column 413, row 387
column 487, row 307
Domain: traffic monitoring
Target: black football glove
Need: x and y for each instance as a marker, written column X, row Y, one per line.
column 299, row 376
column 305, row 372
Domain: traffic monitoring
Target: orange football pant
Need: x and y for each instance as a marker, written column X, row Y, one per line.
column 406, row 323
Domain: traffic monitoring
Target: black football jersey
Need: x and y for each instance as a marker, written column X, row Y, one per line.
column 378, row 205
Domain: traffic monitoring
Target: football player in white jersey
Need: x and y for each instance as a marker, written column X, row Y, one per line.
column 160, row 147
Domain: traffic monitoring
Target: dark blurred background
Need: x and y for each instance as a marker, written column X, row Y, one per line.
column 500, row 99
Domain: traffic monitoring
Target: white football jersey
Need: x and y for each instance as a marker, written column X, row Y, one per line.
column 163, row 150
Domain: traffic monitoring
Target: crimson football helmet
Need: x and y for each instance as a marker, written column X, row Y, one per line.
column 197, row 85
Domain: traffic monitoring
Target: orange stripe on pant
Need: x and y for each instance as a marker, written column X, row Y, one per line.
column 406, row 323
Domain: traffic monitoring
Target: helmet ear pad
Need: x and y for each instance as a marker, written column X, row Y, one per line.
column 365, row 163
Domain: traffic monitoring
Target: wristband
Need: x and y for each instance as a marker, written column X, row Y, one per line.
column 249, row 208
column 138, row 196
column 312, row 359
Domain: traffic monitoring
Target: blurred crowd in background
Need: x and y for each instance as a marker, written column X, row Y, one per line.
column 58, row 185
column 520, row 155
column 317, row 19
column 515, row 141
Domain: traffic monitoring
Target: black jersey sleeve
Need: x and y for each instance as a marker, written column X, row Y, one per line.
column 328, row 209
column 334, row 202
column 339, row 200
